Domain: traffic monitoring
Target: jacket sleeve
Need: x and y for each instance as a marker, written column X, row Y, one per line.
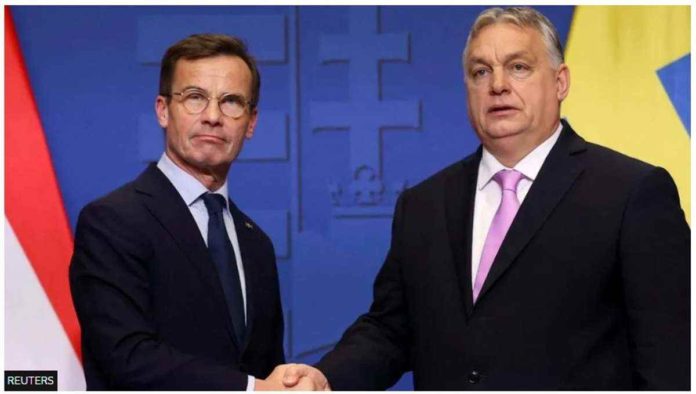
column 110, row 289
column 373, row 353
column 654, row 254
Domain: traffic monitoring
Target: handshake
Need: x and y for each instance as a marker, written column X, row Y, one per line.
column 294, row 377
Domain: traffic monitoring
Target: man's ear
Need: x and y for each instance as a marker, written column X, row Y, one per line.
column 252, row 123
column 562, row 82
column 162, row 111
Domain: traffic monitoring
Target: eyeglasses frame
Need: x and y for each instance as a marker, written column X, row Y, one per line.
column 247, row 103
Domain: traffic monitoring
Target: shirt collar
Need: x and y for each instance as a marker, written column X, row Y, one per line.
column 529, row 166
column 188, row 187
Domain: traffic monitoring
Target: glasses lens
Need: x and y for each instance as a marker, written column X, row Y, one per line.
column 232, row 106
column 195, row 102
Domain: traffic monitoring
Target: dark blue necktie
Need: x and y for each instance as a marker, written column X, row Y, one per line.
column 222, row 253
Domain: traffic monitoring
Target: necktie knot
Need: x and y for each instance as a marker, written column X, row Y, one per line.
column 508, row 179
column 215, row 203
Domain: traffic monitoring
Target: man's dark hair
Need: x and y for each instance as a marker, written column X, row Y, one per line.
column 199, row 46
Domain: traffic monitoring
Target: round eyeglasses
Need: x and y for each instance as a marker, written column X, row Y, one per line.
column 231, row 105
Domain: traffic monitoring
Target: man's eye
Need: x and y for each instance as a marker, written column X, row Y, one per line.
column 519, row 67
column 195, row 97
column 479, row 72
column 232, row 99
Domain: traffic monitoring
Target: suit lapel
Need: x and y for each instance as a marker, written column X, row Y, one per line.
column 558, row 173
column 460, row 189
column 167, row 206
column 248, row 243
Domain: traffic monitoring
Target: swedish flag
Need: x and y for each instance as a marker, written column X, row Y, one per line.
column 630, row 84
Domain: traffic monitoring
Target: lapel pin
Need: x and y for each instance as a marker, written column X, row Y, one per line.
column 248, row 225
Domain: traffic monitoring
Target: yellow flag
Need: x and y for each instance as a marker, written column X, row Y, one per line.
column 616, row 96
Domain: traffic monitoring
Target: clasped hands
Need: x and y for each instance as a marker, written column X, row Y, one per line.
column 294, row 377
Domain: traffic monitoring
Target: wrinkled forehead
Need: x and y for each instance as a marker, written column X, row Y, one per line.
column 220, row 70
column 500, row 37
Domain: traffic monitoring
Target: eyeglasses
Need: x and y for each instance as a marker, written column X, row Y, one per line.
column 231, row 105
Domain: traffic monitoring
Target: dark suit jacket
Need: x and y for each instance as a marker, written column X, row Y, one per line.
column 149, row 301
column 590, row 289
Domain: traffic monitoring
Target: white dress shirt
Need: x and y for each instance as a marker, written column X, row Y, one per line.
column 190, row 189
column 488, row 193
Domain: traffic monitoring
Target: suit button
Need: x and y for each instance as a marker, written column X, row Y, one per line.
column 474, row 377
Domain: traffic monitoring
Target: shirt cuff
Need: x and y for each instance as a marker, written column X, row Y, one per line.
column 251, row 383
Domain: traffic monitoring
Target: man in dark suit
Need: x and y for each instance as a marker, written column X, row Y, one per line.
column 541, row 261
column 174, row 286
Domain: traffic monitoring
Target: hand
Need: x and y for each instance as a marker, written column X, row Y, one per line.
column 273, row 382
column 298, row 376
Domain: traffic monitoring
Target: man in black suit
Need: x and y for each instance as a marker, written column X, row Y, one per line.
column 541, row 261
column 174, row 286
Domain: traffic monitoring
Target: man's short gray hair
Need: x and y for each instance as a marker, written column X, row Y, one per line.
column 522, row 17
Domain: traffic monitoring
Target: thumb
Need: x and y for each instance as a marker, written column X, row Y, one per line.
column 291, row 377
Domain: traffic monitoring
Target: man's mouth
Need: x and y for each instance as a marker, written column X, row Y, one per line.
column 501, row 109
column 209, row 138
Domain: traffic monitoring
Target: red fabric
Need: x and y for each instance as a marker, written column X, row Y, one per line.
column 33, row 203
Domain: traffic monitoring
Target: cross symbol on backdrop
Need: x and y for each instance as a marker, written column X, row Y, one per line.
column 365, row 114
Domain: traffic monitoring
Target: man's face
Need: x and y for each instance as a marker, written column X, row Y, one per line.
column 208, row 142
column 514, row 92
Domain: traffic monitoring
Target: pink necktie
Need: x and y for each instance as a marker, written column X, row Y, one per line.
column 508, row 181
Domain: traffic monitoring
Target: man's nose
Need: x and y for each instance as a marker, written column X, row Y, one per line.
column 499, row 82
column 212, row 114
